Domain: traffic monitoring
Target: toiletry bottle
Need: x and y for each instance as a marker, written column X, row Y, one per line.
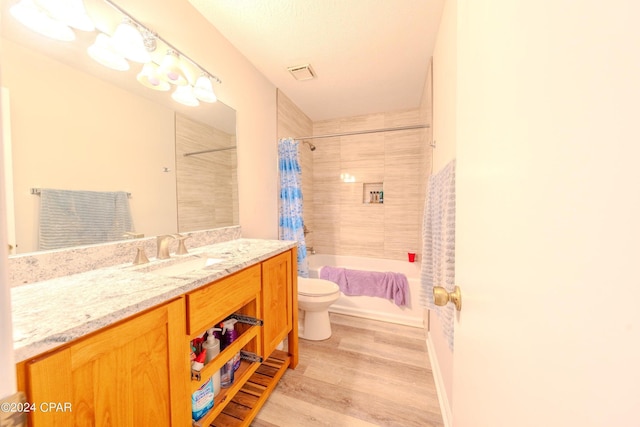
column 227, row 374
column 198, row 363
column 229, row 335
column 212, row 346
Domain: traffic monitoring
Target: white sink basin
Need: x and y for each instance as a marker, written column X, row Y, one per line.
column 187, row 266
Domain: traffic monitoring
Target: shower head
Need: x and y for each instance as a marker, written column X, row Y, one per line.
column 311, row 146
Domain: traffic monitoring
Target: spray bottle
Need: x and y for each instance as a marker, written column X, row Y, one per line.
column 229, row 335
column 212, row 346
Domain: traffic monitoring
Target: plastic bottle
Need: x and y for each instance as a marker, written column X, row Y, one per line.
column 229, row 335
column 198, row 363
column 227, row 374
column 212, row 346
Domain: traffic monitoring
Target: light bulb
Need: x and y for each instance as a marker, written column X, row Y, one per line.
column 184, row 95
column 128, row 42
column 70, row 12
column 102, row 52
column 170, row 69
column 36, row 19
column 203, row 89
column 150, row 77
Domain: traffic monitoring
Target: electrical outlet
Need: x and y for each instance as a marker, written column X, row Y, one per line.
column 10, row 411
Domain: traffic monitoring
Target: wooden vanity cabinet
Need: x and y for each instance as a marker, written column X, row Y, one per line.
column 279, row 302
column 131, row 374
column 137, row 372
column 275, row 304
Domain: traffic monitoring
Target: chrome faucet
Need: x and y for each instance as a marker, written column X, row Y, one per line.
column 163, row 246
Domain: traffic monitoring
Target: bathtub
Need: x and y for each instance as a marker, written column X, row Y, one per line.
column 373, row 307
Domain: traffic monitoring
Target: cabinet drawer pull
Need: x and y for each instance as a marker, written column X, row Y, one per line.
column 247, row 319
column 250, row 357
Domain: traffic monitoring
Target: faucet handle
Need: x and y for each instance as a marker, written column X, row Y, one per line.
column 141, row 257
column 182, row 249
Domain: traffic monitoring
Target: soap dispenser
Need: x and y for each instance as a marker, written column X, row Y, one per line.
column 212, row 345
column 229, row 335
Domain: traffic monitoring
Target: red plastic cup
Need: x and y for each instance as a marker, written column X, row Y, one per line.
column 412, row 257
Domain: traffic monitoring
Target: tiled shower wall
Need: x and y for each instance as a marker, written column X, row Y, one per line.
column 339, row 221
column 207, row 197
column 344, row 225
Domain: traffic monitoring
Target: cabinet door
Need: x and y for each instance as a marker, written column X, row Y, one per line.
column 132, row 374
column 277, row 300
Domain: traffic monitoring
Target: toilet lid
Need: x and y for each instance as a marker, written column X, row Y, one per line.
column 316, row 287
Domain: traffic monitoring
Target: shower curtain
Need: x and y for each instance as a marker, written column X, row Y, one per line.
column 291, row 225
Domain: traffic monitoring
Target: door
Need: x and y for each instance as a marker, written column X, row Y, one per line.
column 277, row 300
column 132, row 374
column 547, row 215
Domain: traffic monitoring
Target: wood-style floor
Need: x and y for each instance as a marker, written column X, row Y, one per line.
column 368, row 373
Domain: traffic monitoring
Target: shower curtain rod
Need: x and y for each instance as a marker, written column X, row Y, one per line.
column 211, row 150
column 360, row 132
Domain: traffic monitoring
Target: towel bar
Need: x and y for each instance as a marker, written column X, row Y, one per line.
column 36, row 192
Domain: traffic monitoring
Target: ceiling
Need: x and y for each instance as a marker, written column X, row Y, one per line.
column 369, row 56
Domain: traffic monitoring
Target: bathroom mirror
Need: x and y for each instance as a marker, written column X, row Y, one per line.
column 77, row 125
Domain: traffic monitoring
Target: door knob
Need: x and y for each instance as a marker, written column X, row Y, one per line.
column 442, row 297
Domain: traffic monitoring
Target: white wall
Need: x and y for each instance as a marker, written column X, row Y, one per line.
column 445, row 70
column 7, row 369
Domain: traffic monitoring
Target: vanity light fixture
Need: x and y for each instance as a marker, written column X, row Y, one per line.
column 150, row 77
column 203, row 89
column 37, row 19
column 184, row 95
column 128, row 41
column 131, row 40
column 53, row 18
column 175, row 67
column 102, row 52
column 70, row 12
column 171, row 70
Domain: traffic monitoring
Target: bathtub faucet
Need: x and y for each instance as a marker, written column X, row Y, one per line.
column 311, row 250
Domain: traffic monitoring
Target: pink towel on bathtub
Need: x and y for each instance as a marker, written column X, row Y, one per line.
column 389, row 285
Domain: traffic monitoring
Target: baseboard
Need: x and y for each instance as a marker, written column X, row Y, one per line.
column 445, row 407
column 376, row 315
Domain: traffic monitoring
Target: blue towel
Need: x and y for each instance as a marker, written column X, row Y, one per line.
column 75, row 218
column 389, row 285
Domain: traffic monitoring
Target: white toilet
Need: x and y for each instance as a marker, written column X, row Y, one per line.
column 314, row 298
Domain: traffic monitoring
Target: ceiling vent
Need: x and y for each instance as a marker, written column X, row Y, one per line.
column 302, row 72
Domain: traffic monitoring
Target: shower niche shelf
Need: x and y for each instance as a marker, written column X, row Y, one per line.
column 372, row 193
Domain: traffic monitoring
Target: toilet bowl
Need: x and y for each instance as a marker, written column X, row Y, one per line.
column 314, row 298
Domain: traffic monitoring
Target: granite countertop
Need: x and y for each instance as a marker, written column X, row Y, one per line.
column 50, row 313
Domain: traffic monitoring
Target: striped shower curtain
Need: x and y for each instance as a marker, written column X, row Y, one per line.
column 291, row 225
